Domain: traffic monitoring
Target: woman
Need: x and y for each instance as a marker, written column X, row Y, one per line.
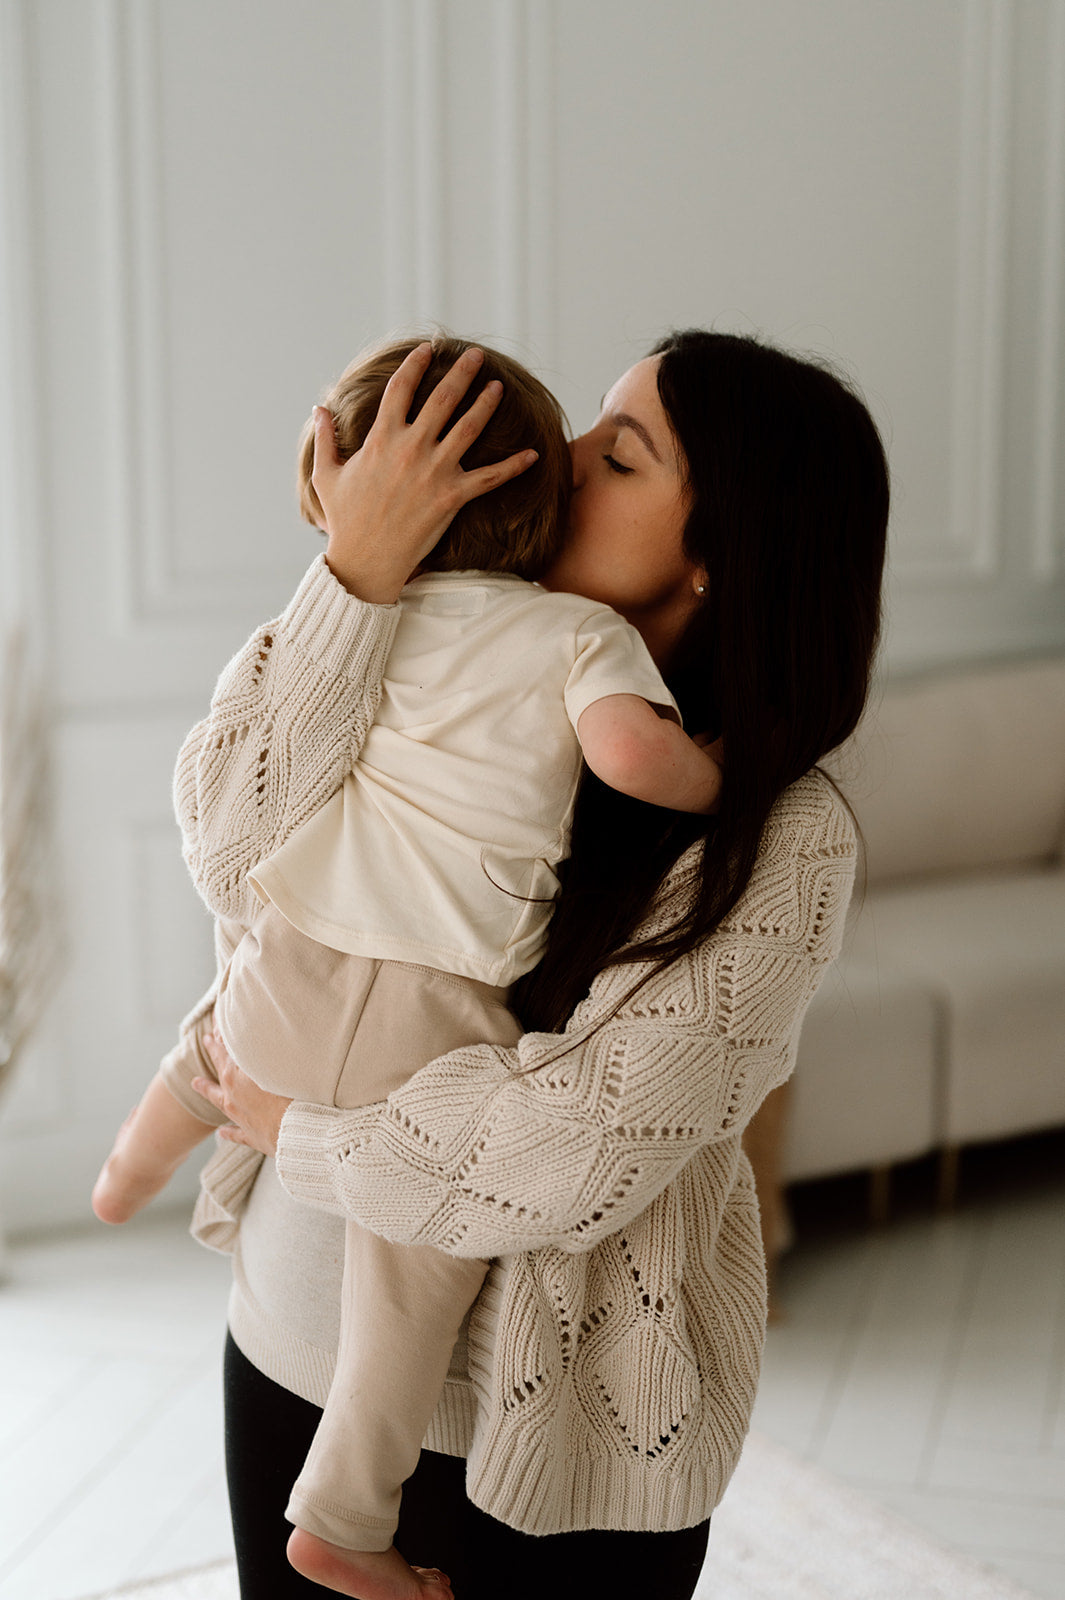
column 731, row 501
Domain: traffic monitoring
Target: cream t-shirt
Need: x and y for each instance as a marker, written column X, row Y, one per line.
column 440, row 846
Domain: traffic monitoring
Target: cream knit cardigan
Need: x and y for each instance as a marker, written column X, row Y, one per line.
column 614, row 1351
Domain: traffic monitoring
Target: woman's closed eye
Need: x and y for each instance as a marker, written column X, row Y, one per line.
column 616, row 466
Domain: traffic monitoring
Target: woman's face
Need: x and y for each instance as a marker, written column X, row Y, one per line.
column 627, row 515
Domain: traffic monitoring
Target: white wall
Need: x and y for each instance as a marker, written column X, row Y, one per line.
column 207, row 206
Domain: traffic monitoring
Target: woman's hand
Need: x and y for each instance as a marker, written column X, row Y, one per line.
column 254, row 1114
column 389, row 503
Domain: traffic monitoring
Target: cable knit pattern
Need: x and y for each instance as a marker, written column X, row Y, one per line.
column 287, row 719
column 614, row 1350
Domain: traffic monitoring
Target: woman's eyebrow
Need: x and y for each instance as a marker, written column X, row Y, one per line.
column 622, row 419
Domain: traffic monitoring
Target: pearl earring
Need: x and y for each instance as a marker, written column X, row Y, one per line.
column 700, row 588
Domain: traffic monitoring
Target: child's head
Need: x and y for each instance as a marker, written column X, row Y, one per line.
column 518, row 527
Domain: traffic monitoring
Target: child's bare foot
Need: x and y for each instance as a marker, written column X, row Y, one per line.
column 364, row 1574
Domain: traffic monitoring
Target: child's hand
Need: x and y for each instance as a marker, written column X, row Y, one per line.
column 388, row 504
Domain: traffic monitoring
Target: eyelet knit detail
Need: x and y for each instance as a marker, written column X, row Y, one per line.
column 287, row 717
column 614, row 1350
column 620, row 1330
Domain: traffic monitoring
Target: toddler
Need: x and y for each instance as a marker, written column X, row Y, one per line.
column 394, row 920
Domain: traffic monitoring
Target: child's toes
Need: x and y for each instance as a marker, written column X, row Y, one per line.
column 433, row 1580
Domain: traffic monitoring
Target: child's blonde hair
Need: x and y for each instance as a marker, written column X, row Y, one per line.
column 516, row 528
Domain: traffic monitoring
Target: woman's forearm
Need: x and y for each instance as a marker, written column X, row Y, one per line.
column 511, row 1165
column 563, row 1140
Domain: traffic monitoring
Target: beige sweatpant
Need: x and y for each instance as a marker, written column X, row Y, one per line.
column 317, row 1024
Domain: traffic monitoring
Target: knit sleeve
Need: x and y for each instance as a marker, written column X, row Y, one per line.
column 563, row 1140
column 288, row 716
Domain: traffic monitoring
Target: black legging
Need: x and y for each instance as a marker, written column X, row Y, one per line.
column 268, row 1433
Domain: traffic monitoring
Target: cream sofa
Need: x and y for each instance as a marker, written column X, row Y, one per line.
column 943, row 1023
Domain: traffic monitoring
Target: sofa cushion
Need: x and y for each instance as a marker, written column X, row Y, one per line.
column 960, row 771
column 864, row 1091
column 991, row 947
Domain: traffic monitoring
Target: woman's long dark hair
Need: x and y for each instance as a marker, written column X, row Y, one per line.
column 788, row 489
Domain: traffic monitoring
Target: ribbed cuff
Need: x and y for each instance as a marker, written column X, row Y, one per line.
column 337, row 1524
column 342, row 633
column 308, row 1144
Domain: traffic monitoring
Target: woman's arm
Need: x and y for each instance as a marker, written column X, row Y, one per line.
column 287, row 718
column 489, row 1151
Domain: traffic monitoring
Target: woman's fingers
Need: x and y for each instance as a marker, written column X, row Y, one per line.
column 209, row 1091
column 401, row 387
column 473, row 422
column 325, row 444
column 217, row 1051
column 435, row 414
column 256, row 1113
column 234, row 1135
column 326, row 461
column 481, row 479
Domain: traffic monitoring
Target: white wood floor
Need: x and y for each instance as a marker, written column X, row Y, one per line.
column 924, row 1362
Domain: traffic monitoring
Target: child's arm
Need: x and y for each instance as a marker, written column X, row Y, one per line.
column 631, row 748
column 149, row 1147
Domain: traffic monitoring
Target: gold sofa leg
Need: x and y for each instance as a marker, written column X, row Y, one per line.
column 879, row 1195
column 947, row 1185
column 763, row 1140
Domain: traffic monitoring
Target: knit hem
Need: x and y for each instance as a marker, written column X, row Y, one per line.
column 321, row 618
column 302, row 1368
column 225, row 1184
column 307, row 1370
column 530, row 1495
column 450, row 1432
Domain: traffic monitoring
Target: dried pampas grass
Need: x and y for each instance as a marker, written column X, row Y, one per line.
column 27, row 922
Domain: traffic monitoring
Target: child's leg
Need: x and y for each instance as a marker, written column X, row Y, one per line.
column 400, row 1316
column 401, row 1310
column 151, row 1144
column 288, row 1007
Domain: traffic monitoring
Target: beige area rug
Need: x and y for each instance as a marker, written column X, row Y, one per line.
column 785, row 1531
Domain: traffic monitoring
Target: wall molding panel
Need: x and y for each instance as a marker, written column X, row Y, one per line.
column 206, row 204
column 510, row 126
column 154, row 581
column 1048, row 563
column 970, row 546
column 414, row 164
column 23, row 493
column 147, row 584
column 523, row 128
